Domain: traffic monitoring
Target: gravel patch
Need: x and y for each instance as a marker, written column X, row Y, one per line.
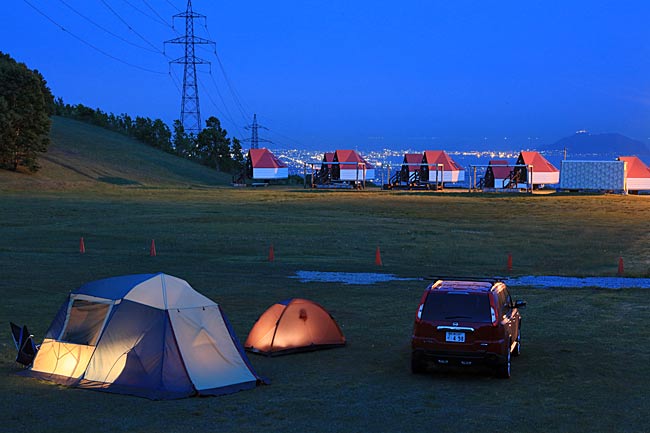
column 346, row 277
column 600, row 282
column 361, row 278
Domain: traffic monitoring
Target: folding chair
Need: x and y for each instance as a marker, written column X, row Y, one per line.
column 24, row 342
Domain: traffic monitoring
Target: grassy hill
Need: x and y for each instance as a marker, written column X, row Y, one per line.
column 83, row 155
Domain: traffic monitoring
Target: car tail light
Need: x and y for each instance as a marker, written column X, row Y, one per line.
column 493, row 311
column 419, row 315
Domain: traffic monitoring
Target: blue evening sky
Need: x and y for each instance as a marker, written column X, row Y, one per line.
column 450, row 74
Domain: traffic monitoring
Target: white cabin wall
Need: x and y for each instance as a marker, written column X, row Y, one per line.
column 638, row 183
column 271, row 173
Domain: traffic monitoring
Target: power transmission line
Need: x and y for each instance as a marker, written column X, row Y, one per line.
column 99, row 26
column 235, row 95
column 157, row 14
column 238, row 99
column 225, row 114
column 240, row 105
column 222, row 114
column 284, row 136
column 83, row 41
column 223, row 101
column 176, row 81
column 174, row 6
column 158, row 19
column 231, row 88
column 129, row 26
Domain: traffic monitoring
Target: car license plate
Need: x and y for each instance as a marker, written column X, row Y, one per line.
column 455, row 337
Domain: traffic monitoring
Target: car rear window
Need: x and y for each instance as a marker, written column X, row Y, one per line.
column 461, row 306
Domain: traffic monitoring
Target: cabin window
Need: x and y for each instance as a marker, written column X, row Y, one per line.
column 85, row 322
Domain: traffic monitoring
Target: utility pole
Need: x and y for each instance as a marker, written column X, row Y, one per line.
column 255, row 138
column 190, row 108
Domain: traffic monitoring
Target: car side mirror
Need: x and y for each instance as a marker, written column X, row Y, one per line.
column 520, row 304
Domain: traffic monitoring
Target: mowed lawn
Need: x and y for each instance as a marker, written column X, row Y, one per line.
column 585, row 364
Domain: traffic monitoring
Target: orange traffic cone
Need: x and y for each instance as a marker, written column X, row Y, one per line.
column 152, row 249
column 509, row 266
column 378, row 258
column 82, row 246
column 621, row 269
column 271, row 254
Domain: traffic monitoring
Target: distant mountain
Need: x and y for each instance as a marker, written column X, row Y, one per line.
column 582, row 142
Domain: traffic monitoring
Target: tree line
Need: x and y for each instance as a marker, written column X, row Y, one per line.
column 26, row 105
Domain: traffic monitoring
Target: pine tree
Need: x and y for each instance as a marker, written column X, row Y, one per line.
column 25, row 106
column 213, row 146
column 181, row 141
column 161, row 136
column 237, row 155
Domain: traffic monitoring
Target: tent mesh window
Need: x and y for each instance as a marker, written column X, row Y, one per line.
column 85, row 322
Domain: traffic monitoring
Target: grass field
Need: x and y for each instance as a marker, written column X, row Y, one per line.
column 584, row 367
column 585, row 361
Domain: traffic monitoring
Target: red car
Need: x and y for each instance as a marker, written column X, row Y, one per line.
column 466, row 323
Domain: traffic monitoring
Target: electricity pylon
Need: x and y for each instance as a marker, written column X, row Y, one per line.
column 190, row 108
column 255, row 138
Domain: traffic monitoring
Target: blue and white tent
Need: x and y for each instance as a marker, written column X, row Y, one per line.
column 148, row 335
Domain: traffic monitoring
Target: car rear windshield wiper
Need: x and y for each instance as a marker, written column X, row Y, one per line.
column 458, row 317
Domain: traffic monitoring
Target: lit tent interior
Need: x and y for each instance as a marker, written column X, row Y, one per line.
column 294, row 325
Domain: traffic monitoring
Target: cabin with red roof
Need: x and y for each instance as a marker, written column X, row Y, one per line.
column 351, row 167
column 328, row 158
column 637, row 174
column 323, row 176
column 408, row 176
column 261, row 164
column 497, row 174
column 537, row 171
column 411, row 167
column 438, row 162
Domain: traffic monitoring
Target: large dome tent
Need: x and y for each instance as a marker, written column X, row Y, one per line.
column 150, row 335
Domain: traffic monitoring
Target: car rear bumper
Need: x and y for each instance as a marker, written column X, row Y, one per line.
column 458, row 358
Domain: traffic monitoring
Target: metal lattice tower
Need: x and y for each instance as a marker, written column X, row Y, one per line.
column 255, row 138
column 190, row 108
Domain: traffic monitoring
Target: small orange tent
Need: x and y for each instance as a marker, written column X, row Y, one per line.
column 294, row 325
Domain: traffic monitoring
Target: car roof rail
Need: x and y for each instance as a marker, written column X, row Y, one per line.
column 495, row 279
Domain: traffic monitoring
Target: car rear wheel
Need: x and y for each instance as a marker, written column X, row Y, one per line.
column 503, row 370
column 417, row 365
